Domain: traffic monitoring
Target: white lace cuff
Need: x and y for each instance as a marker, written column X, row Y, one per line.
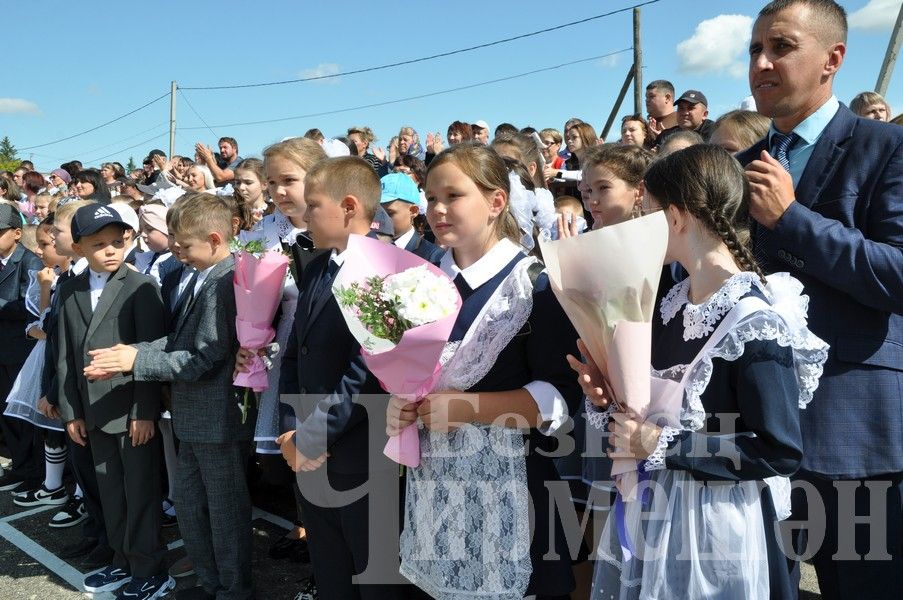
column 551, row 404
column 656, row 460
column 597, row 417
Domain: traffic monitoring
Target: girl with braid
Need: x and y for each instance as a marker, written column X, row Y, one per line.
column 734, row 362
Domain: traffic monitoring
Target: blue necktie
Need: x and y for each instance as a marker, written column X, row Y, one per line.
column 780, row 147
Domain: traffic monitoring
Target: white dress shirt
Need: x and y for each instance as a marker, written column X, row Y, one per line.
column 96, row 281
column 403, row 240
column 548, row 399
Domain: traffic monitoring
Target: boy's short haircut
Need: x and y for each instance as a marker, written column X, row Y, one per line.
column 65, row 212
column 346, row 176
column 29, row 237
column 199, row 214
column 569, row 202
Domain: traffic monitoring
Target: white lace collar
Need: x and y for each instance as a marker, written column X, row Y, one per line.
column 285, row 230
column 700, row 319
column 484, row 269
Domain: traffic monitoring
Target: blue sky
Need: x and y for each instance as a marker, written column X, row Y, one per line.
column 78, row 65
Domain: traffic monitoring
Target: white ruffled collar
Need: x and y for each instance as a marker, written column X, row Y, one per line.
column 700, row 319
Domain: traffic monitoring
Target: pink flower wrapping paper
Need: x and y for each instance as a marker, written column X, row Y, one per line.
column 258, row 284
column 410, row 368
column 606, row 281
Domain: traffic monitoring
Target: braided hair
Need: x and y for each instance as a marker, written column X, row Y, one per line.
column 708, row 183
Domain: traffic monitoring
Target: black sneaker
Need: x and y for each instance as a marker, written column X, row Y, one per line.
column 147, row 588
column 167, row 520
column 106, row 580
column 41, row 496
column 72, row 513
column 9, row 482
column 308, row 590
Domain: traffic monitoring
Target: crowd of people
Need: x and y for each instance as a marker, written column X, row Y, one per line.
column 778, row 332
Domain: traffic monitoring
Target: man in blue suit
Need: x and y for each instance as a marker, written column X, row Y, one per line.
column 826, row 193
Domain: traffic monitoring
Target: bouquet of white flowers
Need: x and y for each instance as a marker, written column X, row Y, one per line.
column 401, row 309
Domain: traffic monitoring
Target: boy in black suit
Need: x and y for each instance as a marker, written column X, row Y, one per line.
column 109, row 304
column 15, row 263
column 212, row 498
column 324, row 366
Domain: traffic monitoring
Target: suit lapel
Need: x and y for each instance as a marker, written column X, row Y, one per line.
column 82, row 296
column 212, row 276
column 826, row 156
column 108, row 297
column 322, row 301
column 11, row 263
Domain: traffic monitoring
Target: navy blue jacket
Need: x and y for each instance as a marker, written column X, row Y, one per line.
column 843, row 239
column 323, row 363
column 424, row 249
column 14, row 344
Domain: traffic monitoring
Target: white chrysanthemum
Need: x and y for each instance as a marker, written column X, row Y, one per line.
column 422, row 297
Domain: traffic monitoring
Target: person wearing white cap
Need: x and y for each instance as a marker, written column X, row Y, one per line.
column 480, row 131
column 130, row 217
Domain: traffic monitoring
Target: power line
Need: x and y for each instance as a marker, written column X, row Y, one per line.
column 147, row 141
column 424, row 58
column 196, row 113
column 419, row 96
column 120, row 117
column 125, row 139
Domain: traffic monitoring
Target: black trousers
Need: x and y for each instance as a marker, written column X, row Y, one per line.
column 19, row 435
column 128, row 478
column 338, row 538
column 82, row 464
column 840, row 579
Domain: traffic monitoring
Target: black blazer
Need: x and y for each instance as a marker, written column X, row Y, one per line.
column 14, row 344
column 129, row 311
column 424, row 249
column 323, row 364
column 843, row 239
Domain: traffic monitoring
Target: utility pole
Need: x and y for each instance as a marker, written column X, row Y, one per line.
column 172, row 119
column 614, row 109
column 637, row 65
column 890, row 57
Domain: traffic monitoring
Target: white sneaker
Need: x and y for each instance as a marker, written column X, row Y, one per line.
column 72, row 514
column 41, row 497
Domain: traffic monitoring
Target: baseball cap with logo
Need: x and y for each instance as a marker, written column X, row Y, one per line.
column 382, row 223
column 92, row 218
column 693, row 97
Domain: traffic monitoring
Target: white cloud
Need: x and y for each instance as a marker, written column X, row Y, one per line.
column 877, row 15
column 719, row 45
column 609, row 62
column 18, row 106
column 322, row 70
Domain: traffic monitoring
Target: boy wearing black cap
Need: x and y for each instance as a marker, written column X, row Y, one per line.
column 110, row 303
column 15, row 263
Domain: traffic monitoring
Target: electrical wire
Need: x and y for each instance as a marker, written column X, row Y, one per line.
column 423, row 58
column 196, row 113
column 119, row 118
column 147, row 141
column 417, row 97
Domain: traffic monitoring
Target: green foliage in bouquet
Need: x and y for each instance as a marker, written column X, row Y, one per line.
column 378, row 314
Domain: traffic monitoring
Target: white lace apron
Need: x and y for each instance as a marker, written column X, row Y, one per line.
column 695, row 539
column 467, row 514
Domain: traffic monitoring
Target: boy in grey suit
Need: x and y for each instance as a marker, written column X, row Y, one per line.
column 211, row 497
column 110, row 303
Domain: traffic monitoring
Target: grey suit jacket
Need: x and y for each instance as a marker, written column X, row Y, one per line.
column 198, row 357
column 129, row 311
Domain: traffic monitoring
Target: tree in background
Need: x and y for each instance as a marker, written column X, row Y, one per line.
column 8, row 159
column 131, row 166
